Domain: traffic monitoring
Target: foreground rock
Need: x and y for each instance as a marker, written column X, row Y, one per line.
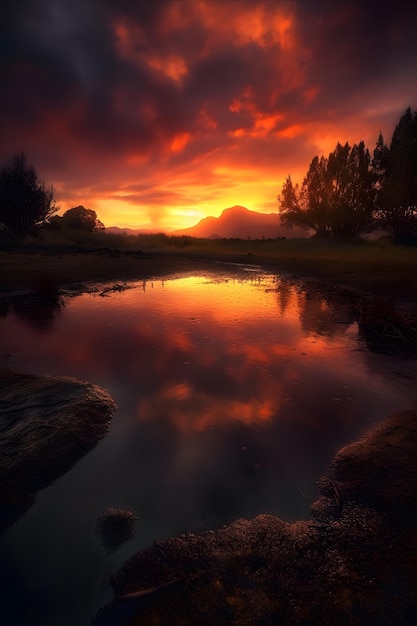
column 46, row 425
column 115, row 526
column 353, row 563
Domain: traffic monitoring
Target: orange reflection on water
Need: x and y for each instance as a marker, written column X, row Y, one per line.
column 207, row 356
column 178, row 392
column 255, row 354
column 180, row 340
column 202, row 350
column 195, row 411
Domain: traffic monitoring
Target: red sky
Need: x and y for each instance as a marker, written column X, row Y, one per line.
column 156, row 114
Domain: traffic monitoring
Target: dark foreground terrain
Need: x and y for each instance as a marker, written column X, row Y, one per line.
column 353, row 563
column 46, row 425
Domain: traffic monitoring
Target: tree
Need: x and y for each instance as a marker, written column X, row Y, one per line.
column 396, row 169
column 79, row 218
column 25, row 202
column 305, row 207
column 290, row 211
column 379, row 162
column 353, row 191
column 315, row 197
column 337, row 195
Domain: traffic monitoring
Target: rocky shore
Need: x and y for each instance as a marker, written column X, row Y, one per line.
column 46, row 425
column 353, row 563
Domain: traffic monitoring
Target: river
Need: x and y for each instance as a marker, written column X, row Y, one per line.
column 234, row 391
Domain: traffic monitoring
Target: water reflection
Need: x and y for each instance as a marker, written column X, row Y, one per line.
column 39, row 308
column 233, row 395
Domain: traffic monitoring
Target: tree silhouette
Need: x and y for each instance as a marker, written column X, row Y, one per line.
column 315, row 197
column 290, row 211
column 306, row 207
column 337, row 196
column 25, row 202
column 353, row 191
column 77, row 218
column 396, row 169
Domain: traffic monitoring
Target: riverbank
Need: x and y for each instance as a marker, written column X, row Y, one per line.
column 375, row 281
column 47, row 424
column 376, row 269
column 353, row 563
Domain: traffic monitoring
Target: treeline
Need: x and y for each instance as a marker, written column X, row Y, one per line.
column 349, row 194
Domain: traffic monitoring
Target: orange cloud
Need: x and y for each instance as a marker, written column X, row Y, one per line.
column 172, row 65
column 205, row 121
column 263, row 125
column 179, row 142
column 128, row 38
column 290, row 131
column 241, row 23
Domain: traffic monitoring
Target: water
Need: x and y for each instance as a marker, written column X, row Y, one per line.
column 233, row 394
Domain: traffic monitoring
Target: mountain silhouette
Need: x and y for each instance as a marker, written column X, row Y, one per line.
column 241, row 223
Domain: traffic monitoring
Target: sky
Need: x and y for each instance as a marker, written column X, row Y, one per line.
column 157, row 114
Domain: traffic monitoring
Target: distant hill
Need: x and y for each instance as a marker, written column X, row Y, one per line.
column 240, row 223
column 115, row 230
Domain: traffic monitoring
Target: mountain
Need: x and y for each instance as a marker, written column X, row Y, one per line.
column 240, row 223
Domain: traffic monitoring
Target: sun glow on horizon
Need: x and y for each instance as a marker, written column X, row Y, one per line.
column 182, row 201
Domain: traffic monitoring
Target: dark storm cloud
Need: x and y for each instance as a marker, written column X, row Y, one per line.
column 62, row 60
column 355, row 45
column 62, row 56
column 63, row 42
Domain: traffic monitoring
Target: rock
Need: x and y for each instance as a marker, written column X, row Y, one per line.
column 353, row 563
column 115, row 525
column 46, row 425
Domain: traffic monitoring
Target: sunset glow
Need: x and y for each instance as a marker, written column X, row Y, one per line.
column 156, row 116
